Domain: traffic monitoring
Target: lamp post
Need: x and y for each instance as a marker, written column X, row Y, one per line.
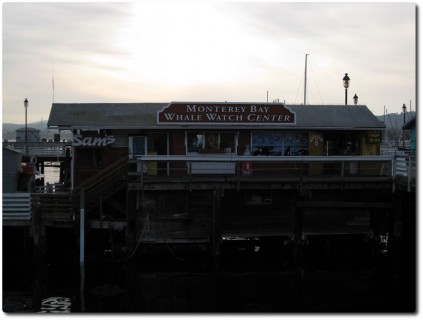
column 26, row 126
column 346, row 80
column 355, row 98
column 404, row 110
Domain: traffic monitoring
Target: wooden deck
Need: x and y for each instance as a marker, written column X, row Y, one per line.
column 281, row 197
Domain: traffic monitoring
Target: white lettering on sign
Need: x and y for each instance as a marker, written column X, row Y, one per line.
column 78, row 141
column 227, row 113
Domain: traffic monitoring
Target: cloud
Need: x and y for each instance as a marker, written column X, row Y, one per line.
column 155, row 51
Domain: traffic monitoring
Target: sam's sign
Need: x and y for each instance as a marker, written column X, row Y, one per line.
column 225, row 113
column 79, row 141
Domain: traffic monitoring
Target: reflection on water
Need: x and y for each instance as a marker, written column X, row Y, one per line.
column 56, row 305
column 251, row 280
column 248, row 277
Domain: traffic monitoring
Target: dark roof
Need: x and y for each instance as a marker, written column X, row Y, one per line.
column 10, row 150
column 410, row 124
column 144, row 116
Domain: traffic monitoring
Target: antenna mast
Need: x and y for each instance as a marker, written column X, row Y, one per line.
column 305, row 80
column 52, row 80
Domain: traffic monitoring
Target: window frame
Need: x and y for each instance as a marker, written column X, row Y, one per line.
column 204, row 148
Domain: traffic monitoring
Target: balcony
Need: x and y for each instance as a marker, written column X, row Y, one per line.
column 237, row 172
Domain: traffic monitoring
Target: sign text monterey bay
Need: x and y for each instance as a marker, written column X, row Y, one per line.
column 225, row 113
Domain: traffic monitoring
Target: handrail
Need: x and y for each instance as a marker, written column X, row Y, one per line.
column 237, row 158
column 41, row 148
column 257, row 166
column 100, row 177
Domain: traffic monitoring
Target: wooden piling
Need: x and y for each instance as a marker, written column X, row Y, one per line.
column 215, row 226
column 38, row 231
column 131, row 219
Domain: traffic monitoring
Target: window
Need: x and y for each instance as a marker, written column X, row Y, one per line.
column 213, row 142
column 89, row 157
column 137, row 146
column 194, row 141
column 279, row 143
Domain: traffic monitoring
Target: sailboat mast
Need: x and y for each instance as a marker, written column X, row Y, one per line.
column 305, row 80
column 384, row 121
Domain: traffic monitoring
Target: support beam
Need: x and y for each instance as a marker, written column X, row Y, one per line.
column 216, row 230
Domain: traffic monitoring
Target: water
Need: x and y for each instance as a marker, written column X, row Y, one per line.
column 246, row 278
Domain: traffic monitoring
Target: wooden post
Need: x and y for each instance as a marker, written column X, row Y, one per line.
column 190, row 175
column 82, row 228
column 298, row 255
column 82, row 248
column 215, row 234
column 101, row 209
column 133, row 204
column 238, row 175
column 298, row 234
column 38, row 233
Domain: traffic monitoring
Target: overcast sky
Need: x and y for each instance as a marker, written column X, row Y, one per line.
column 214, row 51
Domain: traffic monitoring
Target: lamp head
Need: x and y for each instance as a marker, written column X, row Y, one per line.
column 355, row 99
column 346, row 80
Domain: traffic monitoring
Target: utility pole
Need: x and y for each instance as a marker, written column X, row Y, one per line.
column 305, row 80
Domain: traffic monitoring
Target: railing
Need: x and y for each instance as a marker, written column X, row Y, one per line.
column 52, row 188
column 41, row 149
column 405, row 166
column 266, row 167
column 102, row 184
column 405, row 171
column 53, row 206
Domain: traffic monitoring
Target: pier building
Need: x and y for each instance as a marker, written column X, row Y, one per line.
column 292, row 184
column 200, row 172
column 205, row 172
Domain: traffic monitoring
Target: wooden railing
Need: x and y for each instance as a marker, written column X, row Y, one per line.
column 63, row 206
column 53, row 206
column 231, row 171
column 41, row 149
column 264, row 165
column 405, row 171
column 101, row 185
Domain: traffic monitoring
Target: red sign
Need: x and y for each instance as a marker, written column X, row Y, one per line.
column 225, row 113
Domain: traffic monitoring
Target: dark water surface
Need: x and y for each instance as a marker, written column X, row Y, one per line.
column 244, row 279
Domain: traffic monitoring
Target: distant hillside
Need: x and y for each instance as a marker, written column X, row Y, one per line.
column 396, row 120
column 9, row 130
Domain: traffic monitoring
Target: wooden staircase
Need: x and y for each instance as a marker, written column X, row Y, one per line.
column 97, row 189
column 102, row 186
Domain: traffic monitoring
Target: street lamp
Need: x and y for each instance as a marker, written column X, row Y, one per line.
column 26, row 125
column 355, row 98
column 346, row 80
column 404, row 110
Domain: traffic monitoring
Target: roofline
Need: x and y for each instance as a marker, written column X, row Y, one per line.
column 409, row 123
column 208, row 127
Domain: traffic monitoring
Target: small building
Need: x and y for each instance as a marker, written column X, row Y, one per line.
column 33, row 135
column 11, row 169
column 411, row 126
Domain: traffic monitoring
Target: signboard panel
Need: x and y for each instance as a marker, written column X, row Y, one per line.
column 373, row 136
column 93, row 141
column 225, row 113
